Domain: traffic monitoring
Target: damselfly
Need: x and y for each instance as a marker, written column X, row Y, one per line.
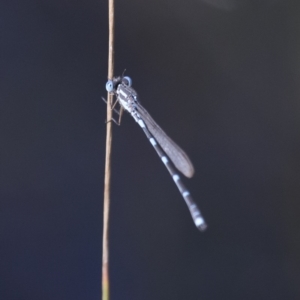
column 169, row 152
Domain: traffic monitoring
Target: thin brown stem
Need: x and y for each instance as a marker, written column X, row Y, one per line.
column 106, row 204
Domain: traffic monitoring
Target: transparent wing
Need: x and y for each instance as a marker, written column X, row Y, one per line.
column 179, row 158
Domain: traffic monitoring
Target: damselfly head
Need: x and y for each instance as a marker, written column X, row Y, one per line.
column 111, row 85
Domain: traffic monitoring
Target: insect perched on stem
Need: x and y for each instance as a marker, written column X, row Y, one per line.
column 168, row 151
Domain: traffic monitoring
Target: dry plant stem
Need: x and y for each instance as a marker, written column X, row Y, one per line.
column 106, row 204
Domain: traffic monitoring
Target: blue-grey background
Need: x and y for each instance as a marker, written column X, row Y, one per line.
column 221, row 78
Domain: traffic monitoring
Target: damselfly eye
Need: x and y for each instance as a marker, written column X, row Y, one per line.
column 128, row 79
column 109, row 86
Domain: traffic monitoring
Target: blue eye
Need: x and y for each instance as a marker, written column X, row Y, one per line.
column 109, row 86
column 128, row 79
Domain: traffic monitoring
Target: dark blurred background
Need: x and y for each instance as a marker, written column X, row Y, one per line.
column 221, row 78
